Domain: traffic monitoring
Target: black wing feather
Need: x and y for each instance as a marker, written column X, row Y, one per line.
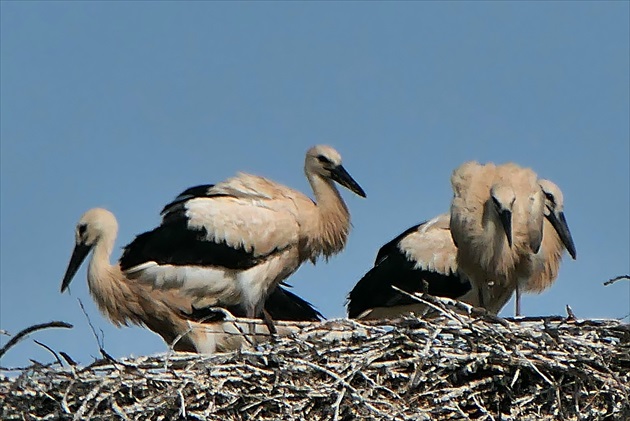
column 202, row 190
column 174, row 243
column 394, row 268
column 281, row 305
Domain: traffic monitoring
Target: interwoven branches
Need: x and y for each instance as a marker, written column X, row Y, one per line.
column 453, row 366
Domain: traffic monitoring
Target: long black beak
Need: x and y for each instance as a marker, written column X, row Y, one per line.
column 78, row 256
column 559, row 223
column 506, row 221
column 341, row 176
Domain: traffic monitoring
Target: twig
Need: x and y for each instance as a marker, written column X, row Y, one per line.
column 618, row 278
column 68, row 359
column 17, row 338
column 420, row 299
column 100, row 342
column 49, row 349
column 337, row 403
column 182, row 403
column 570, row 314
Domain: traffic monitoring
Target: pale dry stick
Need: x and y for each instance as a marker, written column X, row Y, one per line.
column 570, row 314
column 481, row 407
column 118, row 410
column 182, row 402
column 258, row 402
column 418, row 298
column 516, row 374
column 460, row 411
column 376, row 385
column 458, row 391
column 337, row 403
column 436, row 333
column 343, row 382
column 80, row 414
column 45, row 392
column 64, row 399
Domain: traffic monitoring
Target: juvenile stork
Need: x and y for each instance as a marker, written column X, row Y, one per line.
column 166, row 312
column 421, row 259
column 556, row 238
column 232, row 243
column 496, row 224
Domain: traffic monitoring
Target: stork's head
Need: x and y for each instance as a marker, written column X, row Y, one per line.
column 554, row 212
column 92, row 227
column 503, row 198
column 325, row 162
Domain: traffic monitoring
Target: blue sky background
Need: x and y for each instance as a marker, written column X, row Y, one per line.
column 125, row 104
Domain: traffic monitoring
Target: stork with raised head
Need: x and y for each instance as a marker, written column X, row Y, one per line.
column 232, row 243
column 556, row 239
column 166, row 312
column 421, row 259
column 496, row 224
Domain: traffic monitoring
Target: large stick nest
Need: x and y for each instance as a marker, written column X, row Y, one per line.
column 452, row 366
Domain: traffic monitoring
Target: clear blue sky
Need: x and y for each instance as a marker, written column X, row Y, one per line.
column 125, row 104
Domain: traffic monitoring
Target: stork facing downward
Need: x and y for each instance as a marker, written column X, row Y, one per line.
column 496, row 224
column 232, row 243
column 556, row 238
column 421, row 259
column 166, row 312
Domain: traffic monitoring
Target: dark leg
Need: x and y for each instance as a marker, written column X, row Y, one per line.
column 517, row 302
column 269, row 322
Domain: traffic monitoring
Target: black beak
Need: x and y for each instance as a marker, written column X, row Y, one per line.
column 559, row 223
column 78, row 256
column 341, row 176
column 506, row 221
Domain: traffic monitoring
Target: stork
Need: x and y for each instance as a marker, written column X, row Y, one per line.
column 421, row 259
column 496, row 224
column 232, row 243
column 556, row 239
column 166, row 312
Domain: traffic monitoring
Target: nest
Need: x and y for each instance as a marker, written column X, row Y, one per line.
column 455, row 365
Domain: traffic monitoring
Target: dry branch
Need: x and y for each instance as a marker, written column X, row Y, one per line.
column 615, row 279
column 25, row 332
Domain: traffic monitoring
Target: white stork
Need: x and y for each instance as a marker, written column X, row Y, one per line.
column 496, row 224
column 166, row 312
column 421, row 259
column 232, row 243
column 556, row 238
column 424, row 259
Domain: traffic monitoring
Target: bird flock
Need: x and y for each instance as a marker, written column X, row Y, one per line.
column 232, row 245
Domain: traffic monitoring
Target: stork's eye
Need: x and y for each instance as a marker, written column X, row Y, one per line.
column 82, row 228
column 550, row 197
column 496, row 202
column 323, row 159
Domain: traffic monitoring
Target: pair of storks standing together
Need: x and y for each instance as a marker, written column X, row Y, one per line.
column 232, row 244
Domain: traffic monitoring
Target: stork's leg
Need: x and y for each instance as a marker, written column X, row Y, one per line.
column 480, row 294
column 517, row 302
column 269, row 322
